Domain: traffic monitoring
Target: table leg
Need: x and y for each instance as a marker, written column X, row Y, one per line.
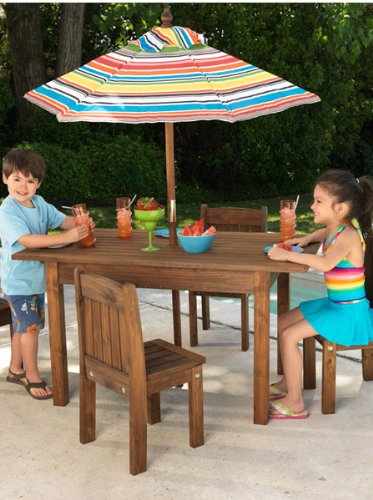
column 177, row 317
column 283, row 304
column 57, row 336
column 261, row 346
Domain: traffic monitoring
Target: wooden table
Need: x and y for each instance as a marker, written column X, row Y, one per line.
column 235, row 263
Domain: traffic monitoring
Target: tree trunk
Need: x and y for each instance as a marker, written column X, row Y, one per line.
column 26, row 53
column 70, row 39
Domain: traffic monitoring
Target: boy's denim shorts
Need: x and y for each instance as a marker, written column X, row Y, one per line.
column 28, row 312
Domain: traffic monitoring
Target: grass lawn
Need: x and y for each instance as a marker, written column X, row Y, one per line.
column 188, row 213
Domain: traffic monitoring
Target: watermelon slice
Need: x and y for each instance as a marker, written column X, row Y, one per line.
column 198, row 225
column 187, row 231
column 210, row 230
column 283, row 246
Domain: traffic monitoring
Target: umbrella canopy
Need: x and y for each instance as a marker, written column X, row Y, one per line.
column 168, row 75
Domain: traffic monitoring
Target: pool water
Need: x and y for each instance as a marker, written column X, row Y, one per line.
column 302, row 287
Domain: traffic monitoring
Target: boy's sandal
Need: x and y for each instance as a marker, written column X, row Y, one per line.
column 37, row 385
column 16, row 378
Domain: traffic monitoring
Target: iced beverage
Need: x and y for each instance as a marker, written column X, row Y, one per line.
column 287, row 219
column 81, row 217
column 124, row 218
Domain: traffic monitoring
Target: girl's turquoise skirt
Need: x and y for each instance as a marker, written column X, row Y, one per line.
column 346, row 324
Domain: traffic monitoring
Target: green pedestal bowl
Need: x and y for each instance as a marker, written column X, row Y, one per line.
column 149, row 219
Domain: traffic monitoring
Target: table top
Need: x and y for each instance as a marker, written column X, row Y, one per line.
column 230, row 251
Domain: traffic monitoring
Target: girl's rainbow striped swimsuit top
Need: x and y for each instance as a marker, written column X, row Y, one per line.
column 345, row 282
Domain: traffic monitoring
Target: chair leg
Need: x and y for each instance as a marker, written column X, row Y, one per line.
column 309, row 363
column 196, row 433
column 154, row 408
column 87, row 409
column 205, row 299
column 11, row 331
column 244, row 322
column 138, row 435
column 367, row 359
column 329, row 358
column 280, row 370
column 193, row 328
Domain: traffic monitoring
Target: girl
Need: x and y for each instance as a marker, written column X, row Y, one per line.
column 344, row 205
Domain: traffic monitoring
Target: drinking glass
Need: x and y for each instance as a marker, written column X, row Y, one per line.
column 287, row 219
column 124, row 220
column 149, row 218
column 81, row 217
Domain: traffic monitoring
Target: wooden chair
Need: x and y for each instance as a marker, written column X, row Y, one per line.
column 329, row 349
column 6, row 316
column 226, row 219
column 113, row 354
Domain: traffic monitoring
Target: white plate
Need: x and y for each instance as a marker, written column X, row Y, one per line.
column 60, row 246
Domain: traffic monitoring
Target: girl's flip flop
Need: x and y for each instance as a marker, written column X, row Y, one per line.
column 285, row 413
column 275, row 392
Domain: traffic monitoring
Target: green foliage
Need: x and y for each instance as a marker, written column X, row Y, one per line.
column 68, row 177
column 7, row 104
column 124, row 166
column 101, row 170
column 323, row 47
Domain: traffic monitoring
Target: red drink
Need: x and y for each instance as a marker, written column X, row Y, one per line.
column 81, row 217
column 124, row 217
column 287, row 219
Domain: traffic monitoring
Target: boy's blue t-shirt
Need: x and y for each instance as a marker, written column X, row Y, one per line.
column 21, row 277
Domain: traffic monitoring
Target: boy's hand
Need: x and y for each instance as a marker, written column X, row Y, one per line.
column 76, row 234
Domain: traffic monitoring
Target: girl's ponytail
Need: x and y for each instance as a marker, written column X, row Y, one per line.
column 365, row 217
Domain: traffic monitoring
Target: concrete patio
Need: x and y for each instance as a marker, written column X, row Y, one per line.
column 41, row 457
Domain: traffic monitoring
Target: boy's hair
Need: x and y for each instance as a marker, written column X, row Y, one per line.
column 25, row 161
column 356, row 193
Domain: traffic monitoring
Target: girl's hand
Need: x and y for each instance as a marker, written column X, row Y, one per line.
column 278, row 254
column 303, row 241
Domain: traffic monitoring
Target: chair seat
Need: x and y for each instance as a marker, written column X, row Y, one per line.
column 163, row 359
column 340, row 347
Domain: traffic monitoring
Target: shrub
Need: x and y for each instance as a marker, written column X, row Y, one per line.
column 124, row 166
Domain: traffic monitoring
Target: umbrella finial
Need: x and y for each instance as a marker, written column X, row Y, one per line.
column 166, row 18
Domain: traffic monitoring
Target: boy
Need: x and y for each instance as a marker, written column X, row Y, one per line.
column 24, row 222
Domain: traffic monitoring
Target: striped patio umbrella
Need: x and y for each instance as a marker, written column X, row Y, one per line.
column 167, row 75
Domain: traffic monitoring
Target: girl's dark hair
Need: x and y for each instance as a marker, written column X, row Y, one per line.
column 356, row 193
column 25, row 161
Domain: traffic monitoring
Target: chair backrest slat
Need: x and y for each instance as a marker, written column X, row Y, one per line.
column 115, row 343
column 235, row 219
column 89, row 347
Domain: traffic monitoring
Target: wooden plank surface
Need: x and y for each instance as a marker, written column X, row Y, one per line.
column 229, row 251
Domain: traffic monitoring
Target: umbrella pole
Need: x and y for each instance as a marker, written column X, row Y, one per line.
column 170, row 170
